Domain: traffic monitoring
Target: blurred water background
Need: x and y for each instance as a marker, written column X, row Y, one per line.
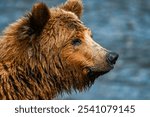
column 122, row 26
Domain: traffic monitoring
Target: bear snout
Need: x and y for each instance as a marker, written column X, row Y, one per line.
column 111, row 58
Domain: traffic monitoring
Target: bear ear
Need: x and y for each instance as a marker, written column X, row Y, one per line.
column 74, row 6
column 39, row 16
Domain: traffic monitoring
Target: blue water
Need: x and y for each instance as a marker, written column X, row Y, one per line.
column 119, row 25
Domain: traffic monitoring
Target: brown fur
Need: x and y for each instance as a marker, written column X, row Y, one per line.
column 37, row 60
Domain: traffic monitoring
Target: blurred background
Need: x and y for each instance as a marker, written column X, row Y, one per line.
column 122, row 26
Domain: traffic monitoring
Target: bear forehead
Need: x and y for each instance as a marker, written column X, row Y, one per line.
column 69, row 19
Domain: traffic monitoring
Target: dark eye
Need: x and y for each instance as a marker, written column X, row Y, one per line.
column 76, row 42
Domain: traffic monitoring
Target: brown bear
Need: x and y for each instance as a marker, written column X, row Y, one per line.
column 50, row 51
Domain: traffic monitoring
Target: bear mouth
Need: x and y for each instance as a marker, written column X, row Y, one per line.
column 94, row 72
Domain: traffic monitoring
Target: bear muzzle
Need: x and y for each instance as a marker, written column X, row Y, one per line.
column 98, row 70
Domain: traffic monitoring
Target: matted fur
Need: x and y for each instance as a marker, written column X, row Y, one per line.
column 37, row 59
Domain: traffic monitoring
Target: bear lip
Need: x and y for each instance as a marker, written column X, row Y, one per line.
column 94, row 72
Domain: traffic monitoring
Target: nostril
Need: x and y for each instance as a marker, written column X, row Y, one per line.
column 112, row 57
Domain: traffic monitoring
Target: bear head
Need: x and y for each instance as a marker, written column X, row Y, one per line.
column 54, row 47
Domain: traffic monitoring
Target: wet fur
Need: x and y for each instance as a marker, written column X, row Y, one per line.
column 31, row 61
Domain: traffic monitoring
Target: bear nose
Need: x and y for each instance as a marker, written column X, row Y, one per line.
column 112, row 57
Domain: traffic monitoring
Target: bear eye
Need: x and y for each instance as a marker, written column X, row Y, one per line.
column 76, row 42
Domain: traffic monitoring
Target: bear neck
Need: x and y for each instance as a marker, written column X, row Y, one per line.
column 34, row 77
